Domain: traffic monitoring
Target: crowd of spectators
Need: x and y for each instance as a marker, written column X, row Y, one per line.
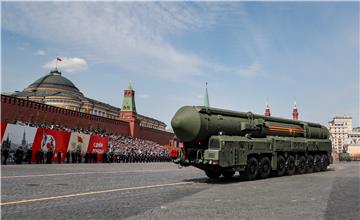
column 121, row 149
column 127, row 150
column 63, row 128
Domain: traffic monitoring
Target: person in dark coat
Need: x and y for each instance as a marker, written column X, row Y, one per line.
column 95, row 157
column 86, row 157
column 18, row 156
column 42, row 157
column 79, row 157
column 68, row 157
column 37, row 157
column 92, row 157
column 104, row 157
column 59, row 155
column 29, row 155
column 73, row 157
column 49, row 155
column 21, row 155
column 5, row 154
column 111, row 157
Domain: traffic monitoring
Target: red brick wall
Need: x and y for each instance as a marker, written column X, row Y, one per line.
column 161, row 137
column 13, row 109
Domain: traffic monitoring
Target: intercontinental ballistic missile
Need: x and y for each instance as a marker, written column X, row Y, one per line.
column 222, row 142
column 198, row 123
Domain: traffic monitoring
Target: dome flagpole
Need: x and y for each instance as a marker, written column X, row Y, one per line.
column 58, row 59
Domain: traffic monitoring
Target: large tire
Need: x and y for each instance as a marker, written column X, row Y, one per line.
column 301, row 167
column 228, row 174
column 317, row 163
column 252, row 168
column 281, row 166
column 212, row 174
column 310, row 164
column 324, row 162
column 264, row 168
column 290, row 165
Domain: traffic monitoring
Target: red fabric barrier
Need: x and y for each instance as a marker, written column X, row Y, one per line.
column 98, row 144
column 56, row 140
column 2, row 128
column 79, row 141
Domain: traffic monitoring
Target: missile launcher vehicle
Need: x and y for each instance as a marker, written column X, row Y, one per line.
column 222, row 142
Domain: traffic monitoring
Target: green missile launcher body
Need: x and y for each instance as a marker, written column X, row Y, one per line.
column 222, row 142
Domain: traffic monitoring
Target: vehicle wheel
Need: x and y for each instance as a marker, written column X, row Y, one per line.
column 290, row 165
column 264, row 168
column 310, row 164
column 317, row 163
column 252, row 168
column 212, row 174
column 281, row 166
column 324, row 162
column 301, row 167
column 228, row 174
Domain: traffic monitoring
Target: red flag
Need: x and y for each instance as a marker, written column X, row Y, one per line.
column 58, row 59
column 80, row 140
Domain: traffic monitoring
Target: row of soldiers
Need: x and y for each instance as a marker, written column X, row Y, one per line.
column 111, row 157
column 76, row 157
column 21, row 156
column 46, row 157
column 125, row 157
column 18, row 156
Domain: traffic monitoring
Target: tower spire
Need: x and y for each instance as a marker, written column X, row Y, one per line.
column 206, row 97
column 295, row 112
column 130, row 87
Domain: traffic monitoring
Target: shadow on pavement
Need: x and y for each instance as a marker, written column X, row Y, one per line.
column 238, row 178
column 344, row 198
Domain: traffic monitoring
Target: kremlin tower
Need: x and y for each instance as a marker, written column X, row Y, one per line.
column 295, row 112
column 128, row 110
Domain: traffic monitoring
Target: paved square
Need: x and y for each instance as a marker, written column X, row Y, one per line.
column 162, row 191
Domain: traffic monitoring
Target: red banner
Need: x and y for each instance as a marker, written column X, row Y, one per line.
column 2, row 128
column 78, row 142
column 98, row 144
column 54, row 140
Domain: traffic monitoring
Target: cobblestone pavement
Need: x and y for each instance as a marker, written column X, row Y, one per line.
column 162, row 191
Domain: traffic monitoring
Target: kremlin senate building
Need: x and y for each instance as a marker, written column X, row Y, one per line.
column 55, row 100
column 56, row 90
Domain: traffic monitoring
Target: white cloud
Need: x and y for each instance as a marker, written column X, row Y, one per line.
column 251, row 70
column 68, row 64
column 131, row 36
column 40, row 52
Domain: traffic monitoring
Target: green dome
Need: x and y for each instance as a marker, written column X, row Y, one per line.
column 54, row 80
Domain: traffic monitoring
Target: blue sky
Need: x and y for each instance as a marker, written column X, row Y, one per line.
column 250, row 53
